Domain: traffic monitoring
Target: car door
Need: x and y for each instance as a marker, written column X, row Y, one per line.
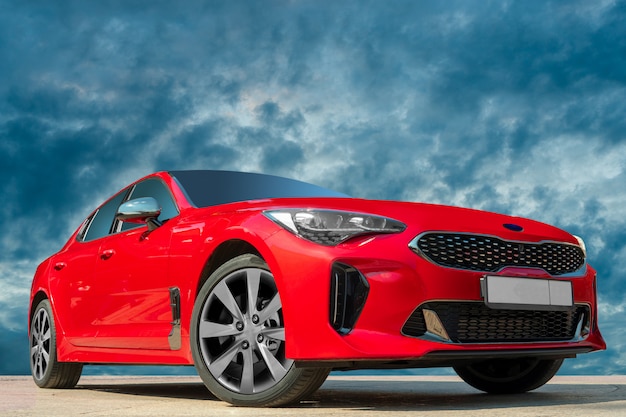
column 79, row 292
column 133, row 281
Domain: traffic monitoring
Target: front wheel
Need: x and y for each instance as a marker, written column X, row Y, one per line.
column 509, row 376
column 238, row 338
column 47, row 371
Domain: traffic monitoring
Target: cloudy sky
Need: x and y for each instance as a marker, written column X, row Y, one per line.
column 515, row 107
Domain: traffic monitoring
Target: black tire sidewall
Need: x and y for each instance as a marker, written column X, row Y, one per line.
column 536, row 377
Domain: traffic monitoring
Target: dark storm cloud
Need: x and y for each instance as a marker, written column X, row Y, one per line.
column 199, row 143
column 59, row 151
column 516, row 107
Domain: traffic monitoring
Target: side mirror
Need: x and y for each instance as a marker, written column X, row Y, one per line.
column 140, row 210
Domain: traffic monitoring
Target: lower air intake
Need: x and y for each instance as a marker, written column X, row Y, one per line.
column 474, row 322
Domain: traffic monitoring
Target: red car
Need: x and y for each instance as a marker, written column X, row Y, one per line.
column 266, row 284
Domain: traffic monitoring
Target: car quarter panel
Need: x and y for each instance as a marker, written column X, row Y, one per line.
column 195, row 238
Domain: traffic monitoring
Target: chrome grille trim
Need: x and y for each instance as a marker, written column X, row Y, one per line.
column 485, row 253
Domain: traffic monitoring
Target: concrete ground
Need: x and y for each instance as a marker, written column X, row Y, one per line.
column 341, row 395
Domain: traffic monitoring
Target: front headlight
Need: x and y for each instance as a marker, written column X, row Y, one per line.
column 331, row 227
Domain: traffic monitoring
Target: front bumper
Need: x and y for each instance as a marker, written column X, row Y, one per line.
column 400, row 283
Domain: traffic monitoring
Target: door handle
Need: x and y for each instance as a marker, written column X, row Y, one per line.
column 59, row 266
column 107, row 254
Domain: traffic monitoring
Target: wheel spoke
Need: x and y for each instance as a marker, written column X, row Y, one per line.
column 36, row 326
column 46, row 336
column 218, row 366
column 254, row 278
column 46, row 357
column 33, row 350
column 210, row 329
column 43, row 320
column 270, row 309
column 277, row 333
column 226, row 297
column 247, row 373
column 275, row 367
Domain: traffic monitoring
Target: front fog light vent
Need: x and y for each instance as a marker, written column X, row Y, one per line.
column 348, row 292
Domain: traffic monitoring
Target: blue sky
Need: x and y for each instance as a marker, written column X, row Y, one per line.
column 514, row 107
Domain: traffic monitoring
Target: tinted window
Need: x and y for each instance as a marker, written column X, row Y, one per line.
column 210, row 188
column 101, row 224
column 156, row 189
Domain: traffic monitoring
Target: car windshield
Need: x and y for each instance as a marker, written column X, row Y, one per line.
column 211, row 188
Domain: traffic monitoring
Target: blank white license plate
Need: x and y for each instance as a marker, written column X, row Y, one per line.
column 526, row 293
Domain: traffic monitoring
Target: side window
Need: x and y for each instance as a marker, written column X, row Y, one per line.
column 102, row 221
column 156, row 189
column 84, row 227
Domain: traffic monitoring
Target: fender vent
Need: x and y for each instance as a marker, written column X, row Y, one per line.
column 348, row 292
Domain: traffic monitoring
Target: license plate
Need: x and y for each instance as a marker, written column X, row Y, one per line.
column 526, row 293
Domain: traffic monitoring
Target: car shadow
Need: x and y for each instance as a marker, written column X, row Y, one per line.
column 183, row 390
column 432, row 396
column 394, row 395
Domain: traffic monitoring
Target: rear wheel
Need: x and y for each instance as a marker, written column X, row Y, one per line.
column 47, row 371
column 509, row 376
column 238, row 338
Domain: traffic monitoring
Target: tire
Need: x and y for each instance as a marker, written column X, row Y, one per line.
column 509, row 376
column 46, row 370
column 238, row 339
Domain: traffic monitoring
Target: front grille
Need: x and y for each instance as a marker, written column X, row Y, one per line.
column 474, row 322
column 490, row 254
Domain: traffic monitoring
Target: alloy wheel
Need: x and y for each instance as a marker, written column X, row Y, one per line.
column 40, row 338
column 241, row 333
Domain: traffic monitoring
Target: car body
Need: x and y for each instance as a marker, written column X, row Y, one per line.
column 265, row 284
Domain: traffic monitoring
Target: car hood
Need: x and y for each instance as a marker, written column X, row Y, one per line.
column 423, row 217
